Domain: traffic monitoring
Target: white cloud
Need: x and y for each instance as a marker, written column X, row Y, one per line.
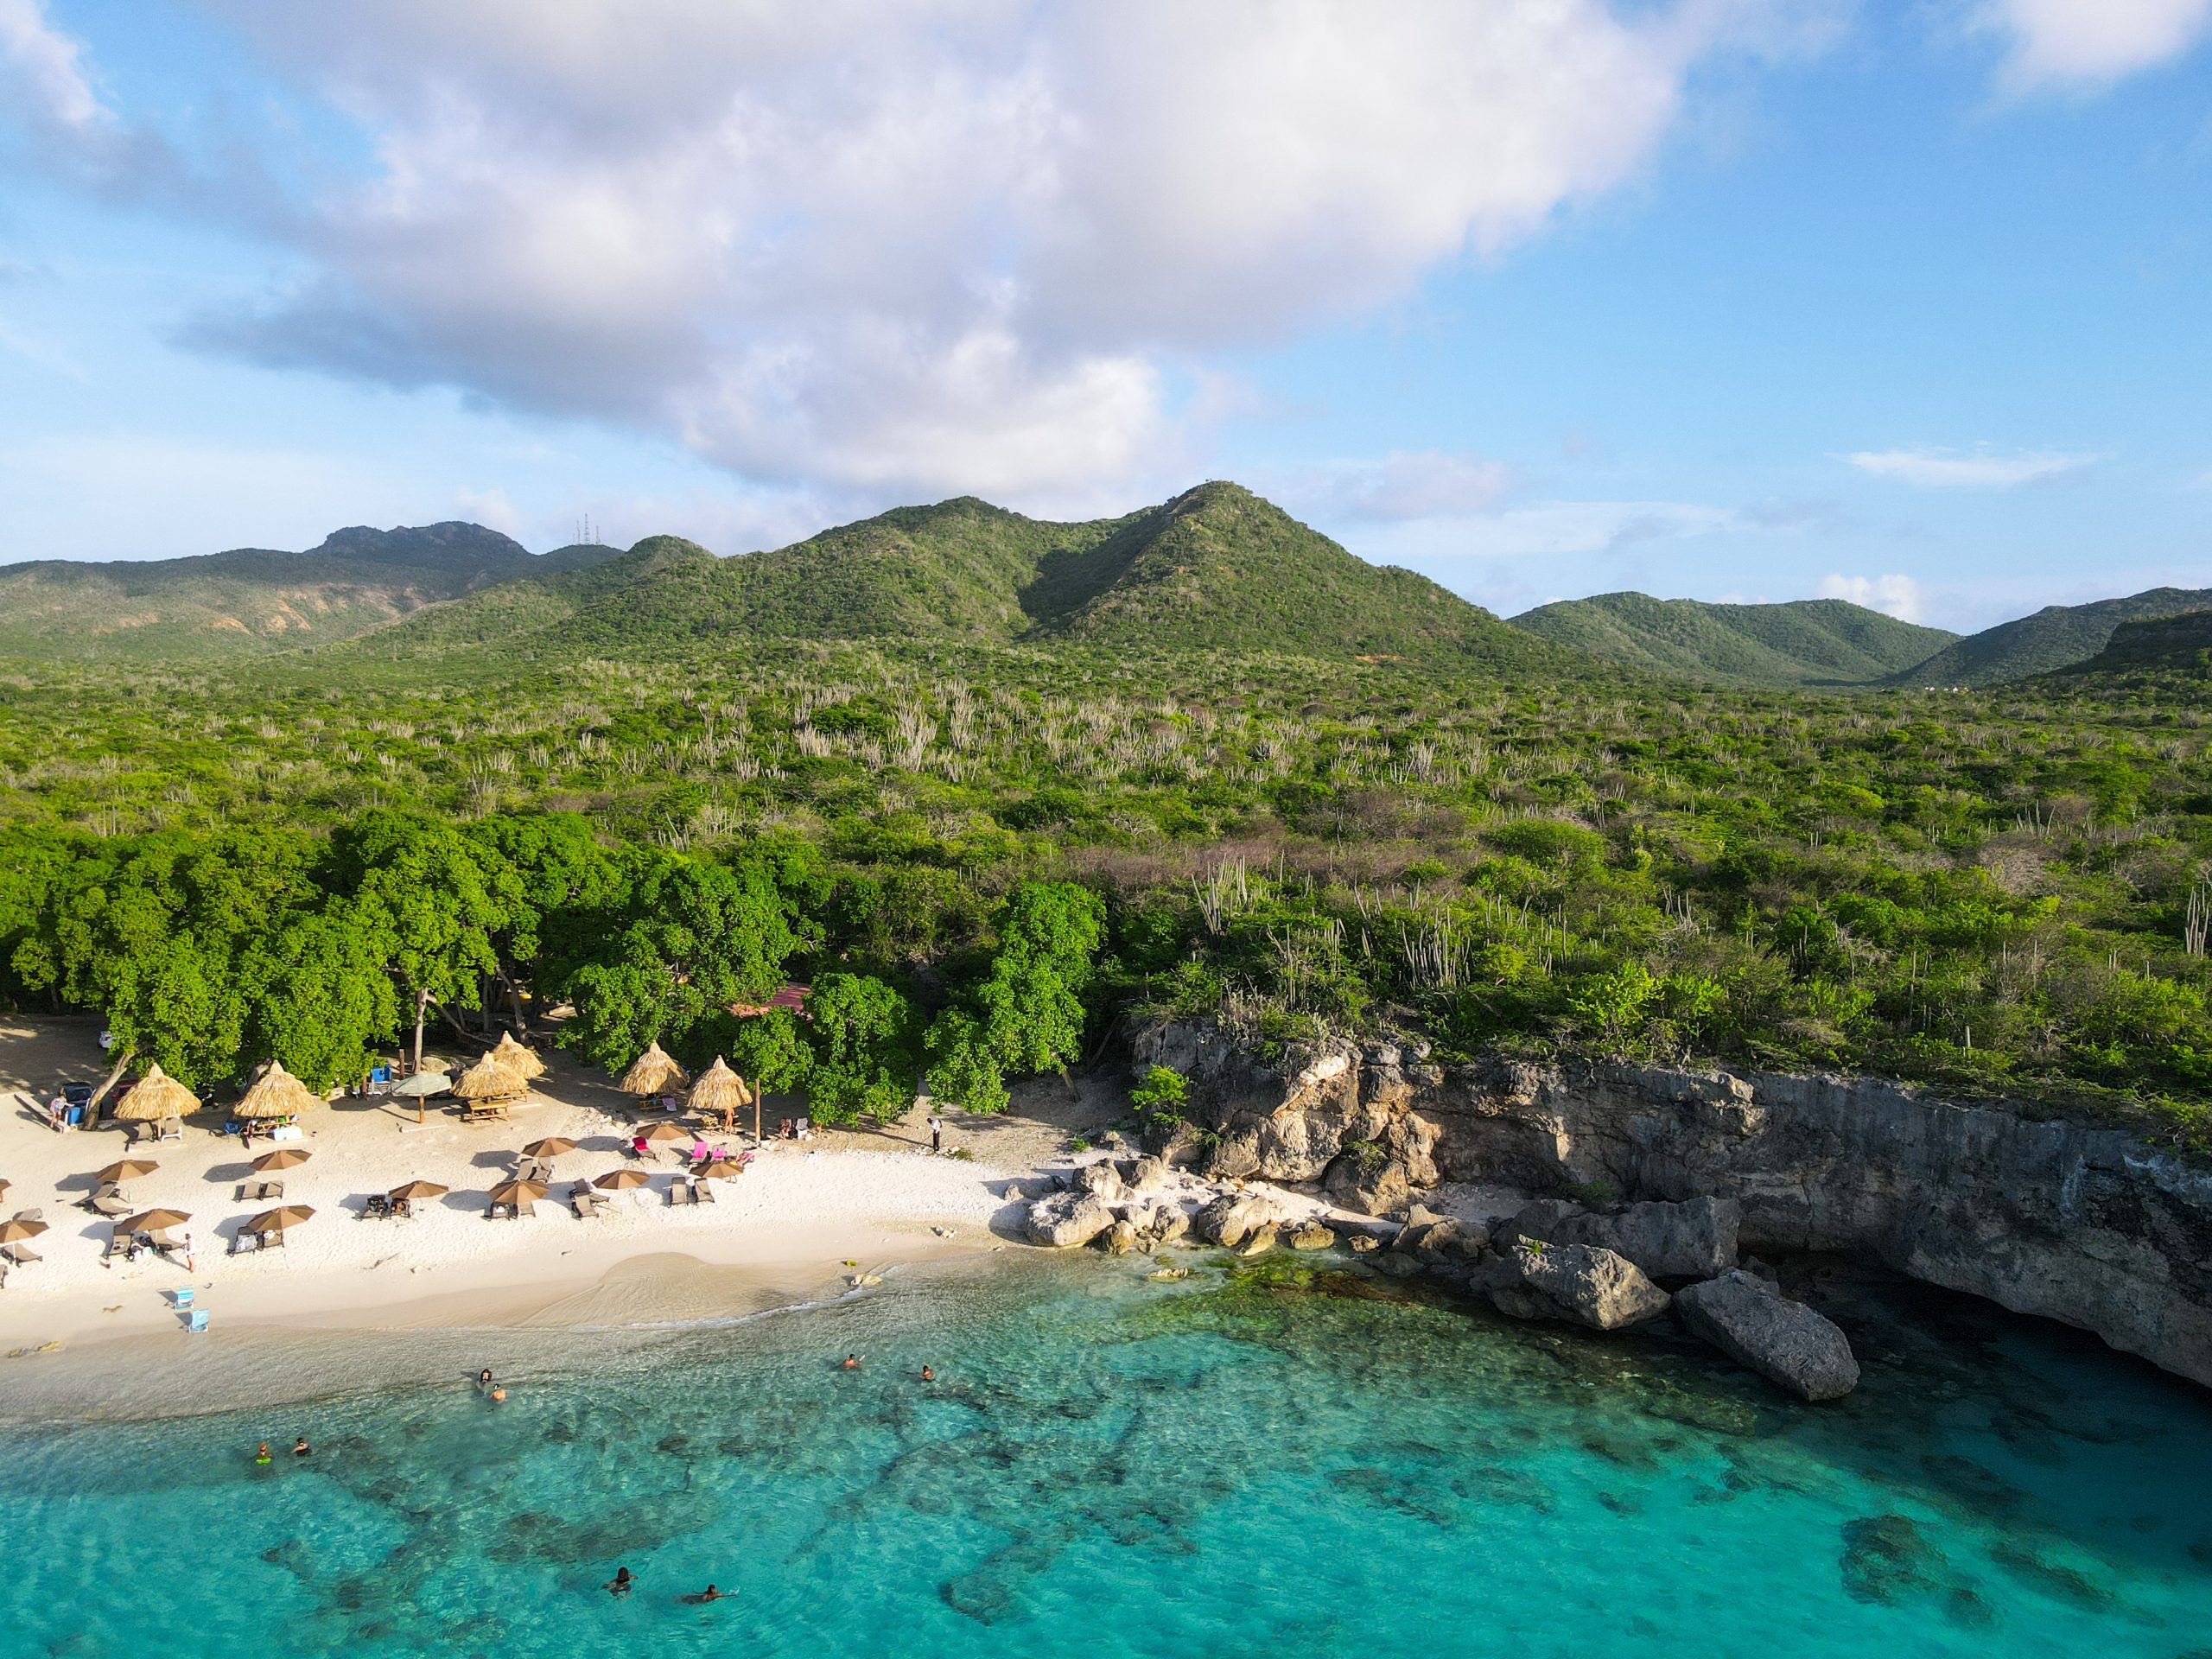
column 2090, row 43
column 1895, row 595
column 38, row 69
column 1550, row 529
column 1403, row 485
column 959, row 244
column 1977, row 469
column 491, row 509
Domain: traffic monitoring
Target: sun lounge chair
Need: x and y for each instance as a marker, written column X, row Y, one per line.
column 170, row 1128
column 403, row 1209
column 376, row 1207
column 21, row 1255
column 112, row 1206
column 30, row 1215
column 585, row 1202
column 680, row 1191
column 702, row 1192
column 260, row 1191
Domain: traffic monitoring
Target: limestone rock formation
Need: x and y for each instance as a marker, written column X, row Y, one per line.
column 1066, row 1219
column 1578, row 1283
column 1788, row 1344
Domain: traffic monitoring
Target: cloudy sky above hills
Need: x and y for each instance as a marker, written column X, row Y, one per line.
column 1717, row 297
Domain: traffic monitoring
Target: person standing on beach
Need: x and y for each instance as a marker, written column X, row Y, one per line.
column 188, row 1268
column 937, row 1132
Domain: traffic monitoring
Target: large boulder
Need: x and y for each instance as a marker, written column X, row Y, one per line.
column 1440, row 1239
column 1692, row 1240
column 1101, row 1179
column 1066, row 1219
column 1145, row 1175
column 1232, row 1218
column 1785, row 1342
column 1539, row 1219
column 1575, row 1282
column 1367, row 1188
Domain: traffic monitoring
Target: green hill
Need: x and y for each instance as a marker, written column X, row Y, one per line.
column 1216, row 568
column 2149, row 653
column 2056, row 637
column 253, row 601
column 1806, row 642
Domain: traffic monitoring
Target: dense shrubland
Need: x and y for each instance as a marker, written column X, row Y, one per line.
column 980, row 859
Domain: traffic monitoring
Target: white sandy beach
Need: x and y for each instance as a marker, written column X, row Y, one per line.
column 801, row 1218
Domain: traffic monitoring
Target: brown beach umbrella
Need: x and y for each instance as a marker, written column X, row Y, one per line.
column 414, row 1190
column 619, row 1180
column 275, row 1093
column 722, row 1092
column 282, row 1158
column 152, row 1221
column 155, row 1097
column 277, row 1220
column 520, row 1194
column 15, row 1232
column 720, row 1168
column 523, row 1062
column 551, row 1146
column 123, row 1169
column 488, row 1080
column 652, row 1073
column 661, row 1134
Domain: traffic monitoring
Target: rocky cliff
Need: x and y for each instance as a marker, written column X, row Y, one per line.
column 2090, row 1226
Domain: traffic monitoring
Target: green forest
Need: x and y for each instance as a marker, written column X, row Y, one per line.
column 988, row 857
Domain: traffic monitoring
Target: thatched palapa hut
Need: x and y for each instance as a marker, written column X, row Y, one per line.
column 488, row 1080
column 721, row 1091
column 523, row 1062
column 652, row 1073
column 275, row 1093
column 155, row 1097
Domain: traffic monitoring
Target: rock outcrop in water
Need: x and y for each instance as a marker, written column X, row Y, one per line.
column 1788, row 1344
column 2090, row 1226
column 1574, row 1282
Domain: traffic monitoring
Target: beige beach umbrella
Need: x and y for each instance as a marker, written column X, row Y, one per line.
column 488, row 1080
column 621, row 1180
column 523, row 1062
column 662, row 1133
column 275, row 1093
column 420, row 1086
column 551, row 1146
column 123, row 1169
column 150, row 1221
column 413, row 1190
column 652, row 1073
column 155, row 1097
column 282, row 1158
column 720, row 1168
column 15, row 1232
column 521, row 1195
column 277, row 1220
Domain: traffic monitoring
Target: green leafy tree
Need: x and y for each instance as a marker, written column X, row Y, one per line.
column 318, row 998
column 862, row 1032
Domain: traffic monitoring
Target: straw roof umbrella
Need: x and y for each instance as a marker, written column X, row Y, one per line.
column 155, row 1097
column 520, row 1195
column 15, row 1232
column 652, row 1073
column 277, row 1220
column 282, row 1158
column 488, row 1080
column 721, row 1091
column 620, row 1181
column 277, row 1093
column 123, row 1169
column 152, row 1221
column 523, row 1062
column 414, row 1190
column 551, row 1146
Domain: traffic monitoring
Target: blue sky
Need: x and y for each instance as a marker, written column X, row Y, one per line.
column 1543, row 297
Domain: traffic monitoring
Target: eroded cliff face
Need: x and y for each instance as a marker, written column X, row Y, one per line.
column 2091, row 1226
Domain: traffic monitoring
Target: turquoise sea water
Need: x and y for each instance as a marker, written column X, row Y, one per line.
column 1106, row 1466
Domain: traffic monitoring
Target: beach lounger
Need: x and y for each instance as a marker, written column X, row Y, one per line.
column 680, row 1192
column 171, row 1128
column 376, row 1207
column 260, row 1191
column 403, row 1210
column 21, row 1255
column 702, row 1192
column 110, row 1207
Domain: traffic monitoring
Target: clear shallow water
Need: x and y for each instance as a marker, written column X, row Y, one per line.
column 1110, row 1467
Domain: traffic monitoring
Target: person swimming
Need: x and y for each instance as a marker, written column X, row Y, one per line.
column 300, row 1448
column 484, row 1378
column 262, row 1456
column 928, row 1376
column 852, row 1361
column 698, row 1597
column 620, row 1585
